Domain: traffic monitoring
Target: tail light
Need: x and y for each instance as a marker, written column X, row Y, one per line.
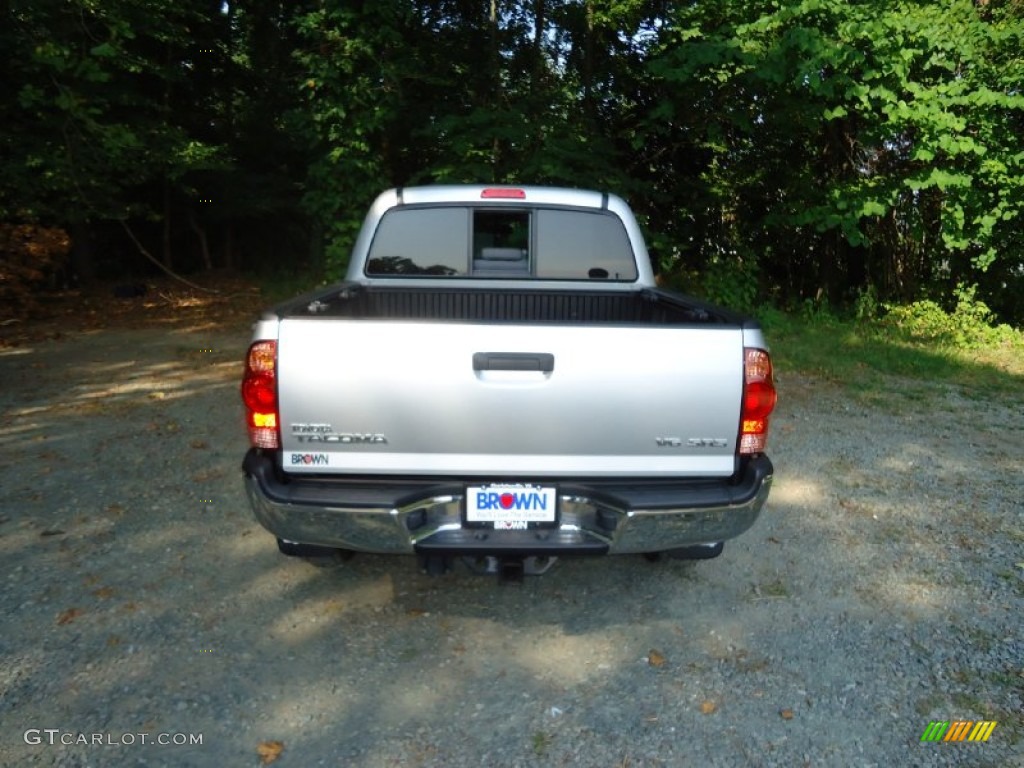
column 759, row 398
column 259, row 393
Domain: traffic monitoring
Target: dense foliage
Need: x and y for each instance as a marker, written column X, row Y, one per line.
column 819, row 151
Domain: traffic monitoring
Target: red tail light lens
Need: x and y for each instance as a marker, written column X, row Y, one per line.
column 759, row 398
column 259, row 393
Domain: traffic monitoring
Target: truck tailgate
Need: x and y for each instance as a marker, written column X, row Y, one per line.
column 478, row 399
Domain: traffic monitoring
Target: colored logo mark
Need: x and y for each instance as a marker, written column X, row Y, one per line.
column 958, row 730
column 508, row 500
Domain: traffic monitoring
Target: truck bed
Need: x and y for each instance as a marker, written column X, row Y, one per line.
column 496, row 305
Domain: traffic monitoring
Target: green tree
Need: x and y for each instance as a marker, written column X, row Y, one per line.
column 842, row 145
column 795, row 150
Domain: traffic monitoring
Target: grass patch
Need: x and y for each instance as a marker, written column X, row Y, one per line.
column 1013, row 581
column 771, row 589
column 540, row 742
column 1009, row 679
column 970, row 704
column 926, row 705
column 866, row 353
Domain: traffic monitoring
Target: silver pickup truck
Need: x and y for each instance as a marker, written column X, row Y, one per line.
column 499, row 378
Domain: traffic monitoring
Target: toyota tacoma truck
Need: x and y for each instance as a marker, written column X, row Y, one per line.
column 500, row 378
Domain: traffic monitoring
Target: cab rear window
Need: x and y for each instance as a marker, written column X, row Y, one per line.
column 494, row 242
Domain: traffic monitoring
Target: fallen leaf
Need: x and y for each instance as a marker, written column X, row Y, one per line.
column 707, row 707
column 269, row 751
column 206, row 475
column 103, row 592
column 786, row 714
column 655, row 658
column 199, row 444
column 66, row 617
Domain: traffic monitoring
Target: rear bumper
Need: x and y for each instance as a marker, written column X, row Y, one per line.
column 596, row 517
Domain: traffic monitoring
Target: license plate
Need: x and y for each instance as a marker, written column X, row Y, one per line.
column 511, row 506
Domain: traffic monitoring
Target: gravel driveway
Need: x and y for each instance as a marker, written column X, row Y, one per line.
column 882, row 589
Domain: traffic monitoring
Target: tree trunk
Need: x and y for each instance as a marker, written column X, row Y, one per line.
column 228, row 257
column 204, row 244
column 588, row 62
column 165, row 241
column 539, row 22
column 495, row 88
column 83, row 254
column 167, row 255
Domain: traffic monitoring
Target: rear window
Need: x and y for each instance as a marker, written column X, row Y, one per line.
column 492, row 242
column 421, row 241
column 576, row 244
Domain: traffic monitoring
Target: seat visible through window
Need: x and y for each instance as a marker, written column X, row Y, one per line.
column 501, row 262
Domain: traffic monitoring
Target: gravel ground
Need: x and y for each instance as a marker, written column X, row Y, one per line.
column 883, row 588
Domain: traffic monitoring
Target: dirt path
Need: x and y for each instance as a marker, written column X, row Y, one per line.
column 882, row 589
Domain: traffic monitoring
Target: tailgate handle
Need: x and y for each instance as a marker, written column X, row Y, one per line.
column 514, row 361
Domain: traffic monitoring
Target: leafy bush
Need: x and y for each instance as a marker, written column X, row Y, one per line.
column 732, row 283
column 773, row 319
column 818, row 312
column 866, row 305
column 969, row 326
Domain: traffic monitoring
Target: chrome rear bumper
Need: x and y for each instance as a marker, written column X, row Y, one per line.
column 426, row 515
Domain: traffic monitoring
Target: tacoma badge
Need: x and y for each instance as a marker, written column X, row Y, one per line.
column 345, row 438
column 324, row 433
column 707, row 442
